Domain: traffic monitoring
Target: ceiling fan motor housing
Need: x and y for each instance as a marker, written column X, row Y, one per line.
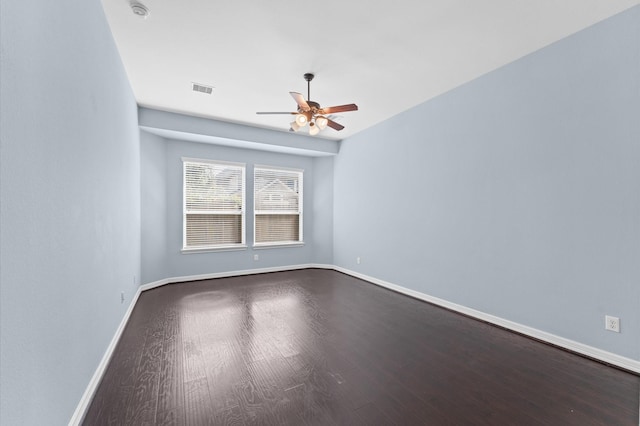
column 313, row 105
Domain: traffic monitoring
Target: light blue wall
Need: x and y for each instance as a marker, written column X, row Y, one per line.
column 153, row 184
column 517, row 194
column 70, row 204
column 322, row 226
column 177, row 126
column 168, row 153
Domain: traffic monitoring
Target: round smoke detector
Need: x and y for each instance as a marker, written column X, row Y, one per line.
column 139, row 9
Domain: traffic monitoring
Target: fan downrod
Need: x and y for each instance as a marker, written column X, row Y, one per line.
column 308, row 76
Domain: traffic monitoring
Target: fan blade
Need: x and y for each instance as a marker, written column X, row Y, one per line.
column 339, row 108
column 300, row 101
column 334, row 125
column 292, row 113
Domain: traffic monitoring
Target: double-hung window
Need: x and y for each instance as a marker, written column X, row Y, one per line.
column 277, row 206
column 214, row 205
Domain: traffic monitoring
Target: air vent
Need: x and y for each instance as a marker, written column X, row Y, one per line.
column 202, row 88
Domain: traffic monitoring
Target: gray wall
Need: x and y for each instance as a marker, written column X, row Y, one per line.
column 159, row 153
column 517, row 194
column 70, row 212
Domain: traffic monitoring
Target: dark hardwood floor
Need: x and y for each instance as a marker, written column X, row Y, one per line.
column 320, row 347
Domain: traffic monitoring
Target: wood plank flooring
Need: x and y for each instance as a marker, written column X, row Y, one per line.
column 317, row 347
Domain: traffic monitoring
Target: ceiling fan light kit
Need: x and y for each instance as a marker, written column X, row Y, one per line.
column 313, row 129
column 301, row 120
column 310, row 112
column 321, row 122
column 294, row 126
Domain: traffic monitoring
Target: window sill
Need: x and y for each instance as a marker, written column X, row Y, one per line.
column 260, row 246
column 192, row 250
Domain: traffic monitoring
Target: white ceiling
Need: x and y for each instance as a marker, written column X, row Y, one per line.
column 384, row 56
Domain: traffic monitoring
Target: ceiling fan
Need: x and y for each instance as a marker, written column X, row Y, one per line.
column 310, row 112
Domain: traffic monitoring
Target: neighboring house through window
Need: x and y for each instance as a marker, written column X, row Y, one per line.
column 277, row 206
column 214, row 205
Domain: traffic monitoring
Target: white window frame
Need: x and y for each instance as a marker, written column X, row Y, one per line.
column 214, row 247
column 300, row 211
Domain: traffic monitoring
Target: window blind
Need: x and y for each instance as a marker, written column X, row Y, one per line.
column 213, row 204
column 277, row 205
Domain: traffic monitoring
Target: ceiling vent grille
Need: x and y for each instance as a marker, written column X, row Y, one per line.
column 202, row 88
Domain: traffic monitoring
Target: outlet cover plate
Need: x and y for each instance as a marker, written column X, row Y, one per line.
column 612, row 323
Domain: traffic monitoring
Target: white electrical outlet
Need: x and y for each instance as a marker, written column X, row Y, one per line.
column 612, row 323
column 358, row 260
column 256, row 257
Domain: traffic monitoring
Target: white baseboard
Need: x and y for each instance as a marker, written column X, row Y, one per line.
column 589, row 351
column 227, row 274
column 83, row 405
column 580, row 348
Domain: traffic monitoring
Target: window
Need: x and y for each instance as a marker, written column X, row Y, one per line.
column 277, row 206
column 214, row 204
